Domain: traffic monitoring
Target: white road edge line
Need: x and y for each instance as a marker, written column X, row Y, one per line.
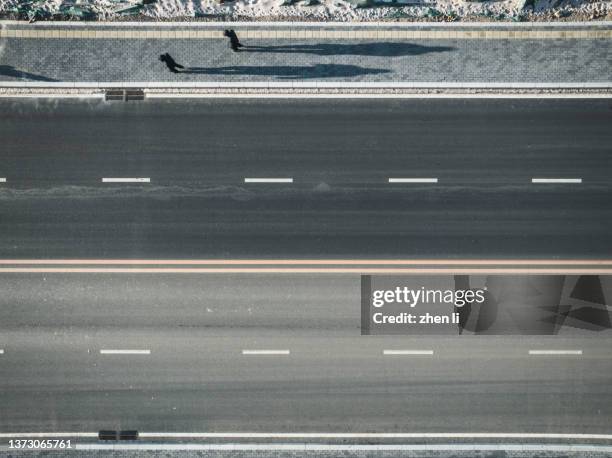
column 556, row 180
column 268, row 180
column 266, row 352
column 582, row 448
column 125, row 352
column 47, row 434
column 51, row 96
column 555, row 352
column 300, row 435
column 126, row 180
column 195, row 95
column 413, row 180
column 408, row 352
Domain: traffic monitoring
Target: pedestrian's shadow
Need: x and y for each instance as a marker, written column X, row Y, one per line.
column 8, row 70
column 290, row 72
column 384, row 49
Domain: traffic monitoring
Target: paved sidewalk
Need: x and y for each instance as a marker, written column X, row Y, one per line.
column 420, row 53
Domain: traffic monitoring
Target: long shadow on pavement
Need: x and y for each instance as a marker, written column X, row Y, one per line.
column 384, row 49
column 8, row 70
column 290, row 72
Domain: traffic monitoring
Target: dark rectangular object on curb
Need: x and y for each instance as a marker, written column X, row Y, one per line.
column 128, row 435
column 134, row 94
column 123, row 94
column 107, row 435
column 113, row 94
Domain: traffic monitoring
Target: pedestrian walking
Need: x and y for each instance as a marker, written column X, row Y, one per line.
column 170, row 63
column 234, row 41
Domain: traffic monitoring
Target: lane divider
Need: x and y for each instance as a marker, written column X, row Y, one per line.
column 476, row 262
column 306, row 270
column 126, row 180
column 407, row 352
column 413, row 180
column 125, row 352
column 266, row 352
column 556, row 180
column 268, row 180
column 555, row 352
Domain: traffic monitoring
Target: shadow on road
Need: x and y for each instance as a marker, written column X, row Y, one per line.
column 8, row 70
column 290, row 72
column 385, row 49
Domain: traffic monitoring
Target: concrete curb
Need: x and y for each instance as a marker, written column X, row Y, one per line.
column 318, row 25
column 300, row 85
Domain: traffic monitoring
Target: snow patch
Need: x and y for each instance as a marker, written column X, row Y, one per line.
column 319, row 10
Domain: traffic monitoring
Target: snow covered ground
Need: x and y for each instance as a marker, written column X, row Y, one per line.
column 322, row 10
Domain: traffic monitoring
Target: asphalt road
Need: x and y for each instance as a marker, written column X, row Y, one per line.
column 340, row 155
column 54, row 378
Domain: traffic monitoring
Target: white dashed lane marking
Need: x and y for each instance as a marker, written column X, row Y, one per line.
column 413, row 180
column 126, row 180
column 556, row 180
column 268, row 180
column 407, row 352
column 555, row 352
column 265, row 352
column 125, row 352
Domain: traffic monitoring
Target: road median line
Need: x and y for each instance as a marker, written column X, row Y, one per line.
column 414, row 262
column 290, row 270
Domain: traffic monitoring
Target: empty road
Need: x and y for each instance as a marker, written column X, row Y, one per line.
column 297, row 178
column 180, row 353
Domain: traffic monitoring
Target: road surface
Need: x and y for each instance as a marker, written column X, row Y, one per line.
column 195, row 377
column 474, row 162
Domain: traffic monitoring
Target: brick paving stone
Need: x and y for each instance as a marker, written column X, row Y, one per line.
column 433, row 60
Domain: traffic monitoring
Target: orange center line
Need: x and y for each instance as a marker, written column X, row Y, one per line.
column 312, row 270
column 318, row 262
